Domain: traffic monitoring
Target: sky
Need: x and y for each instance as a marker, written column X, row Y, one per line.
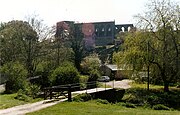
column 52, row 11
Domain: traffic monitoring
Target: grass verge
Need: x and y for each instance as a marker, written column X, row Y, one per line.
column 95, row 108
column 8, row 100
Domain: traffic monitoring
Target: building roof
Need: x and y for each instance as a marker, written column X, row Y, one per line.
column 114, row 67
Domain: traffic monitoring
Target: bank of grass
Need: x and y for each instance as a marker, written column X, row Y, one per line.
column 140, row 96
column 94, row 108
column 8, row 100
column 144, row 85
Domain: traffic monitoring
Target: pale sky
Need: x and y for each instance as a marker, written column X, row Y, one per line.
column 52, row 11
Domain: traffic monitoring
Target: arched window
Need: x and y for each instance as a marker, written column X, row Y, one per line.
column 123, row 29
column 109, row 31
column 129, row 28
column 102, row 31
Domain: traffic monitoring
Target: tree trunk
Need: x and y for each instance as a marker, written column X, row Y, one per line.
column 166, row 86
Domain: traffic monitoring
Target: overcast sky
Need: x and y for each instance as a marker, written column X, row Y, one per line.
column 52, row 11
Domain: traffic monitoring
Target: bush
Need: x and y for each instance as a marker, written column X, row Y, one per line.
column 82, row 97
column 16, row 76
column 43, row 70
column 102, row 101
column 31, row 91
column 129, row 105
column 89, row 64
column 22, row 96
column 94, row 75
column 65, row 74
column 34, row 90
column 160, row 107
column 83, row 81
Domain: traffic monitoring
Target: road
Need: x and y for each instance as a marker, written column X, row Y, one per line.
column 124, row 84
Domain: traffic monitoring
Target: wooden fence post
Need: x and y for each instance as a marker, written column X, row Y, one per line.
column 69, row 93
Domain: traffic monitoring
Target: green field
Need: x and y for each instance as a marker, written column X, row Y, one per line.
column 94, row 108
column 8, row 100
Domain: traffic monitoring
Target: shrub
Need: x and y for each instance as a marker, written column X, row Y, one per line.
column 43, row 70
column 31, row 91
column 102, row 101
column 94, row 75
column 16, row 74
column 83, row 81
column 132, row 98
column 160, row 107
column 34, row 90
column 82, row 97
column 129, row 105
column 22, row 96
column 65, row 74
column 90, row 63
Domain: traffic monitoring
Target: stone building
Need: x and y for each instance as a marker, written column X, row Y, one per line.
column 95, row 33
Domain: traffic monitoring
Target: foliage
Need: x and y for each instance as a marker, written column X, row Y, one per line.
column 82, row 97
column 16, row 76
column 19, row 42
column 89, row 64
column 160, row 107
column 142, row 97
column 128, row 105
column 77, row 45
column 31, row 91
column 43, row 70
column 34, row 90
column 102, row 101
column 83, row 81
column 156, row 44
column 65, row 74
column 94, row 75
column 22, row 96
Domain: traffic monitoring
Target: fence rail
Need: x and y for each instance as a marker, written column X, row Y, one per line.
column 63, row 90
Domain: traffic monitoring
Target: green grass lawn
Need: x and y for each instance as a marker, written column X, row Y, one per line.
column 94, row 108
column 144, row 85
column 8, row 100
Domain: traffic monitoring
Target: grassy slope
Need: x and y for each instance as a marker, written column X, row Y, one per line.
column 7, row 100
column 94, row 108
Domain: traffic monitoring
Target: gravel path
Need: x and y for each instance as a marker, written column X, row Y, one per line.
column 23, row 109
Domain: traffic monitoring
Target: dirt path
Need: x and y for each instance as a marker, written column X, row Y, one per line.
column 27, row 108
column 23, row 109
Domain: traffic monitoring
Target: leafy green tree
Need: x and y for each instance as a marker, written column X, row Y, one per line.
column 19, row 42
column 16, row 76
column 157, row 44
column 76, row 37
column 64, row 74
column 90, row 63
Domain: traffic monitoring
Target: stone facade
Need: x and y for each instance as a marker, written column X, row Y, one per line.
column 96, row 33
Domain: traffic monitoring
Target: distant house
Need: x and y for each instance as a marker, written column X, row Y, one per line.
column 115, row 72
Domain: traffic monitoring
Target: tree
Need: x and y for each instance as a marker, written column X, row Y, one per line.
column 64, row 74
column 78, row 48
column 158, row 42
column 90, row 63
column 16, row 76
column 69, row 35
column 19, row 42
